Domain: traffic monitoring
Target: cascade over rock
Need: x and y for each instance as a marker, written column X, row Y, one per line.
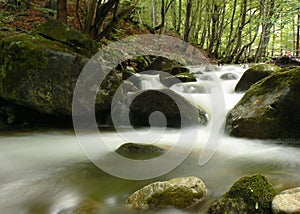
column 177, row 110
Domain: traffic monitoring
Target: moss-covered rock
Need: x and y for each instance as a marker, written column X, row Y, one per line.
column 178, row 192
column 253, row 75
column 250, row 194
column 269, row 109
column 178, row 111
column 287, row 202
column 41, row 74
column 139, row 151
column 59, row 32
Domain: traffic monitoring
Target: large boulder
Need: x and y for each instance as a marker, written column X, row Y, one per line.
column 41, row 74
column 253, row 75
column 250, row 194
column 181, row 193
column 270, row 109
column 287, row 202
column 177, row 110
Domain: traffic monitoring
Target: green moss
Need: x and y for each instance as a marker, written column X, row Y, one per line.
column 250, row 194
column 57, row 31
column 173, row 196
column 186, row 77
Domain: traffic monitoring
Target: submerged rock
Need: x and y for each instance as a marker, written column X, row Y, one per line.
column 250, row 194
column 229, row 76
column 270, row 109
column 181, row 193
column 287, row 202
column 85, row 207
column 177, row 110
column 253, row 75
column 139, row 151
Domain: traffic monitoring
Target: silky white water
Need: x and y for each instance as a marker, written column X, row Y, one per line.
column 47, row 172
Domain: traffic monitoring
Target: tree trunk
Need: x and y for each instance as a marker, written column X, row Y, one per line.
column 298, row 35
column 187, row 26
column 179, row 16
column 154, row 14
column 62, row 10
column 91, row 16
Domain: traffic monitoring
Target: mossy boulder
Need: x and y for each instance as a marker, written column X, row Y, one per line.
column 269, row 109
column 57, row 31
column 250, row 194
column 180, row 193
column 178, row 111
column 253, row 75
column 41, row 74
column 139, row 151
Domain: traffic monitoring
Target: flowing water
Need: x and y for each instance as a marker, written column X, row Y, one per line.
column 47, row 172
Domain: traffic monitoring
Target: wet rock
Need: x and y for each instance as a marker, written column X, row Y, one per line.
column 139, row 151
column 253, row 75
column 269, row 109
column 250, row 194
column 186, row 77
column 287, row 202
column 177, row 110
column 229, row 76
column 128, row 72
column 179, row 70
column 181, row 193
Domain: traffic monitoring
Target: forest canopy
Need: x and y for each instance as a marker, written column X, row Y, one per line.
column 230, row 31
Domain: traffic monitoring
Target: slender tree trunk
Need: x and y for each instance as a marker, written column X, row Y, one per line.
column 187, row 26
column 179, row 16
column 298, row 35
column 62, row 10
column 91, row 16
column 154, row 14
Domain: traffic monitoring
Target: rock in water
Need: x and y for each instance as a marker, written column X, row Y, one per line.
column 253, row 75
column 139, row 151
column 270, row 109
column 250, row 194
column 181, row 192
column 287, row 202
column 177, row 110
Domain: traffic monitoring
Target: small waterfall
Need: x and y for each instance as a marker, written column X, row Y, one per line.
column 149, row 81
